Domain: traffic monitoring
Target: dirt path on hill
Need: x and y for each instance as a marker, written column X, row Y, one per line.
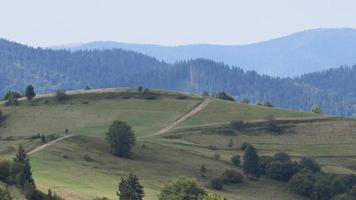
column 180, row 120
column 39, row 148
column 162, row 131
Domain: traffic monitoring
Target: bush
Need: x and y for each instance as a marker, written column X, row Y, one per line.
column 244, row 146
column 264, row 161
column 87, row 158
column 232, row 177
column 339, row 186
column 268, row 104
column 183, row 189
column 316, row 109
column 282, row 157
column 281, row 171
column 237, row 125
column 322, row 188
column 61, row 95
column 121, row 139
column 12, row 94
column 236, row 160
column 310, row 164
column 223, row 95
column 5, row 195
column 302, row 183
column 181, row 97
column 4, row 170
column 217, row 157
column 217, row 184
column 203, row 170
column 271, row 124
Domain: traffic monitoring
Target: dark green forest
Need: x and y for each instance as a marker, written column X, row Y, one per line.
column 48, row 70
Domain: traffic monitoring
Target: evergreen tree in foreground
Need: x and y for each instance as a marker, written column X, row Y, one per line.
column 30, row 92
column 251, row 166
column 130, row 188
column 22, row 168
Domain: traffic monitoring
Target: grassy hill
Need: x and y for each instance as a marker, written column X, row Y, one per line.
column 81, row 167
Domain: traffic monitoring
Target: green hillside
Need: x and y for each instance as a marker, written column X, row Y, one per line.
column 81, row 168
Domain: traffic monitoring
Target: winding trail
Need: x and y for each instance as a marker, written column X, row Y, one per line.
column 180, row 120
column 160, row 132
column 39, row 148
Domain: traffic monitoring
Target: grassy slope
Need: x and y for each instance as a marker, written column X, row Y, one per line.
column 156, row 162
column 220, row 111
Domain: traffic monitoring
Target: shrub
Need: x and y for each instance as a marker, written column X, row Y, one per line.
column 182, row 189
column 217, row 157
column 223, row 95
column 231, row 143
column 203, row 170
column 339, row 186
column 232, row 177
column 302, row 184
column 236, row 160
column 281, row 171
column 5, row 195
column 271, row 124
column 307, row 163
column 217, row 184
column 316, row 109
column 87, row 158
column 264, row 161
column 180, row 97
column 244, row 146
column 211, row 196
column 4, row 170
column 61, row 95
column 268, row 104
column 121, row 139
column 212, row 147
column 12, row 94
column 322, row 188
column 282, row 157
column 237, row 125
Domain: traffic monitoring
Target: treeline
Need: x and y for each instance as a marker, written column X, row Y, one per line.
column 49, row 69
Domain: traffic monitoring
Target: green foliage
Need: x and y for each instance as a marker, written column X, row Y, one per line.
column 139, row 89
column 182, row 189
column 264, row 161
column 339, row 186
column 5, row 169
column 322, row 189
column 12, row 94
column 5, row 195
column 237, row 125
column 212, row 196
column 121, row 139
column 30, row 92
column 130, row 188
column 22, row 168
column 307, row 163
column 316, row 109
column 232, row 177
column 244, row 146
column 236, row 160
column 12, row 101
column 281, row 171
column 217, row 184
column 271, row 124
column 53, row 196
column 203, row 170
column 251, row 165
column 231, row 143
column 302, row 183
column 282, row 157
column 223, row 95
column 268, row 104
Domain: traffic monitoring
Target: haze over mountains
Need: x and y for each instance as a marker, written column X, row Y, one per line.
column 289, row 56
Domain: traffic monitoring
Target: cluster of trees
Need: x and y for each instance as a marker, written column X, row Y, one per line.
column 18, row 172
column 307, row 179
column 333, row 90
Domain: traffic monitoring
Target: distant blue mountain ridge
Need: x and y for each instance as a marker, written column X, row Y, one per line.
column 293, row 55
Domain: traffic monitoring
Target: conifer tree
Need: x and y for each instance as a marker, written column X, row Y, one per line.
column 30, row 92
column 130, row 188
column 251, row 166
column 22, row 168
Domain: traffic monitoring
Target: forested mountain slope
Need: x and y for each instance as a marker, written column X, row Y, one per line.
column 295, row 54
column 49, row 70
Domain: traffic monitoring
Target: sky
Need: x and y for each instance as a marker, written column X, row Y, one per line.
column 167, row 22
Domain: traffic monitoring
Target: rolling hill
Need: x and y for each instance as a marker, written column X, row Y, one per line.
column 296, row 54
column 158, row 158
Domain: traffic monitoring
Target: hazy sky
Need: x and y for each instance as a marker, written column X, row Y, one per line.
column 168, row 22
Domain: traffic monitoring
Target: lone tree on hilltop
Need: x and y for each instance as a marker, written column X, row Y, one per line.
column 130, row 188
column 121, row 139
column 30, row 92
column 251, row 165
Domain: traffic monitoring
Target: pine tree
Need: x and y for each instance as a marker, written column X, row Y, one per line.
column 251, row 166
column 30, row 92
column 130, row 188
column 22, row 168
column 203, row 171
